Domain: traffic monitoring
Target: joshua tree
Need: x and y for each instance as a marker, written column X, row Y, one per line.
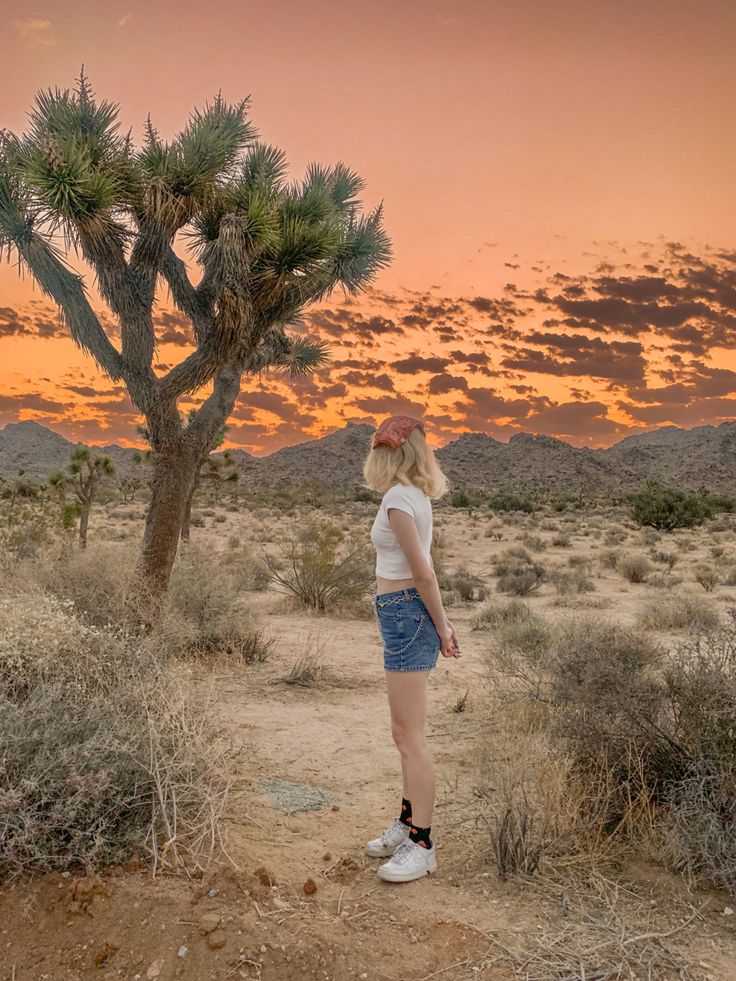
column 266, row 247
column 85, row 474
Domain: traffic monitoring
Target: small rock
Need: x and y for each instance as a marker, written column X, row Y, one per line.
column 335, row 807
column 264, row 948
column 392, row 917
column 209, row 922
column 327, row 857
column 727, row 911
column 182, row 951
column 154, row 971
column 279, row 903
column 213, row 892
column 216, row 940
column 265, row 877
column 310, row 887
column 104, row 954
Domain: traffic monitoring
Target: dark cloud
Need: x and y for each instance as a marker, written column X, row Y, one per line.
column 440, row 384
column 579, row 355
column 33, row 401
column 11, row 323
column 415, row 362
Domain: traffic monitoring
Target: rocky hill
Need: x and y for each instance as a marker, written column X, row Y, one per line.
column 687, row 458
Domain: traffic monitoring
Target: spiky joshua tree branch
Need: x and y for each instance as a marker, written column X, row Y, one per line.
column 266, row 247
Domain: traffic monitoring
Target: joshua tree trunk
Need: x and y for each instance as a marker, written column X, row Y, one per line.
column 187, row 520
column 173, row 477
column 84, row 523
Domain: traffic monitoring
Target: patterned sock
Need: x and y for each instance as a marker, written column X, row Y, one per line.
column 420, row 836
column 405, row 816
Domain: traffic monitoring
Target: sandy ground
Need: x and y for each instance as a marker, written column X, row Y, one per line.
column 299, row 899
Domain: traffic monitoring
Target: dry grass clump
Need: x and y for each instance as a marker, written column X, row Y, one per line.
column 103, row 753
column 634, row 568
column 495, row 614
column 571, row 582
column 461, row 585
column 517, row 572
column 707, row 577
column 206, row 611
column 680, row 611
column 98, row 581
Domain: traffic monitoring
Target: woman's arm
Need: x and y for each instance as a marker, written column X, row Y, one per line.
column 407, row 535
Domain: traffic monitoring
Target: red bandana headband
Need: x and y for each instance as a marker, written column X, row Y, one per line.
column 394, row 430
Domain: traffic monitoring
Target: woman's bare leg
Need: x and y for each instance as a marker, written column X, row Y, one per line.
column 407, row 699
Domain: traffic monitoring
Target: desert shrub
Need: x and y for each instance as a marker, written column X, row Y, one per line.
column 665, row 508
column 104, row 755
column 323, row 567
column 707, row 577
column 602, row 676
column 98, row 581
column 562, row 540
column 634, row 568
column 572, row 582
column 649, row 537
column 663, row 580
column 464, row 584
column 681, row 611
column 519, row 649
column 460, row 499
column 609, row 559
column 701, row 812
column 615, row 535
column 517, row 572
column 249, row 570
column 505, row 500
column 205, row 611
column 28, row 523
column 662, row 557
column 495, row 614
column 534, row 542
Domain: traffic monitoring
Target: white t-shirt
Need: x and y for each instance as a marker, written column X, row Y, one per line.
column 390, row 559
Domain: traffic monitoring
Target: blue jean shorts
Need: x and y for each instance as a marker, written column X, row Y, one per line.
column 410, row 639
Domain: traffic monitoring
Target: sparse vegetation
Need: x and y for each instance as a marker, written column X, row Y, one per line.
column 323, row 568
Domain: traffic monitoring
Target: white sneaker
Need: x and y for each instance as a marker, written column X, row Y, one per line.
column 389, row 841
column 409, row 861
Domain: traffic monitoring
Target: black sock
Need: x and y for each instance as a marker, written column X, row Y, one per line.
column 420, row 836
column 405, row 817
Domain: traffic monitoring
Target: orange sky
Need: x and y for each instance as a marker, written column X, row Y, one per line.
column 557, row 181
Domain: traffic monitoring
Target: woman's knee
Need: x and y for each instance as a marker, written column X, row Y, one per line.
column 409, row 742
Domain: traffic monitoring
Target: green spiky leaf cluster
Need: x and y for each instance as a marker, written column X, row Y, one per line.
column 267, row 246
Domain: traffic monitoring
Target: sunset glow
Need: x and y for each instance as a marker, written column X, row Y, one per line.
column 557, row 182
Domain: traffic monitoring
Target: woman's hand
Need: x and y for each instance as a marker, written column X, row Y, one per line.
column 449, row 644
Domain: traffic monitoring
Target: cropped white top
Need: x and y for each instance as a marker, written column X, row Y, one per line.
column 390, row 559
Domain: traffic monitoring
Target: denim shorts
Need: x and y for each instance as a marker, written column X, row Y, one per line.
column 410, row 639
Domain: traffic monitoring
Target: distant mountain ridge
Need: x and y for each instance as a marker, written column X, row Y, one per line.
column 686, row 458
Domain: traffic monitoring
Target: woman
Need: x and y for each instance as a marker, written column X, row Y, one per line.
column 413, row 626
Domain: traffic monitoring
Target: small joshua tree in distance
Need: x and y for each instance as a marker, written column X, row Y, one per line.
column 87, row 471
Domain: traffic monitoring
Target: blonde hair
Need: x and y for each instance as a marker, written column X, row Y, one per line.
column 413, row 462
